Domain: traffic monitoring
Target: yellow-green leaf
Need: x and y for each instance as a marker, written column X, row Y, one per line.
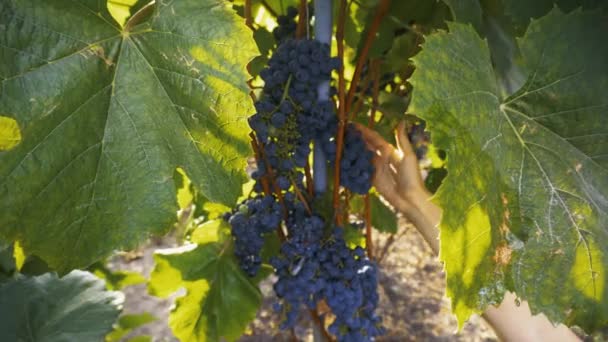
column 10, row 135
column 220, row 300
column 525, row 202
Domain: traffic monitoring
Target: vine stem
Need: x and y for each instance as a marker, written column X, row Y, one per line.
column 248, row 16
column 308, row 174
column 269, row 9
column 369, row 39
column 258, row 150
column 341, row 111
column 375, row 75
column 302, row 20
column 360, row 99
column 140, row 15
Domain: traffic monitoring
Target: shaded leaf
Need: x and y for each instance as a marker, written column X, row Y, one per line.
column 489, row 20
column 383, row 218
column 525, row 203
column 522, row 12
column 75, row 307
column 107, row 114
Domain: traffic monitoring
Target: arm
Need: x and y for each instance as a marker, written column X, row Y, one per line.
column 398, row 180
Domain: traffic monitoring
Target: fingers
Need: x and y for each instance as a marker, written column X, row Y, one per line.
column 402, row 141
column 377, row 143
column 371, row 137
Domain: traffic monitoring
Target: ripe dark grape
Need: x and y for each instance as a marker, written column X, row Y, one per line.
column 288, row 114
column 287, row 25
column 356, row 168
column 419, row 139
column 311, row 269
column 249, row 222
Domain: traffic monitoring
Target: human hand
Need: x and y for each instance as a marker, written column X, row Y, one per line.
column 398, row 180
column 397, row 176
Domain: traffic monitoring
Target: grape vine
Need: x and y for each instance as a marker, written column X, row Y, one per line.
column 314, row 264
column 109, row 108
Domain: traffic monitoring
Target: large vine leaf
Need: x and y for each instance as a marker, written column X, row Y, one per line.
column 526, row 197
column 107, row 114
column 220, row 300
column 122, row 10
column 522, row 11
column 47, row 308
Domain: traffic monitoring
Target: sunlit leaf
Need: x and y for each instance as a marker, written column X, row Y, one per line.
column 127, row 323
column 525, row 202
column 220, row 300
column 106, row 116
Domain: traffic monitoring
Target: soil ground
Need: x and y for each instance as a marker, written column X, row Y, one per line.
column 413, row 305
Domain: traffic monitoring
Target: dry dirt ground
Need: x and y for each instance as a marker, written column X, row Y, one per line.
column 412, row 304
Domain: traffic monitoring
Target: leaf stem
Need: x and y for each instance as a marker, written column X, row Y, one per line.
column 303, row 19
column 369, row 247
column 308, row 179
column 140, row 15
column 248, row 16
column 375, row 76
column 381, row 11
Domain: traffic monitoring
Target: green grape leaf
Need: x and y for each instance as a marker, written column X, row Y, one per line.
column 116, row 280
column 406, row 45
column 122, row 10
column 214, row 286
column 76, row 307
column 466, row 11
column 7, row 260
column 107, row 115
column 489, row 20
column 521, row 12
column 264, row 40
column 10, row 135
column 429, row 15
column 525, row 201
column 383, row 217
column 217, row 230
column 127, row 323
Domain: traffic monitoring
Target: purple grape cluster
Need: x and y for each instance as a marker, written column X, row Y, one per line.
column 356, row 167
column 350, row 290
column 419, row 138
column 312, row 269
column 313, row 264
column 356, row 163
column 288, row 115
column 287, row 25
column 249, row 222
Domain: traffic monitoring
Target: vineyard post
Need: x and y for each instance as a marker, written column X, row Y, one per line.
column 323, row 32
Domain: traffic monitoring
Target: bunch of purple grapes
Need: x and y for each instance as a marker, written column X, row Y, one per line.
column 314, row 263
column 250, row 221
